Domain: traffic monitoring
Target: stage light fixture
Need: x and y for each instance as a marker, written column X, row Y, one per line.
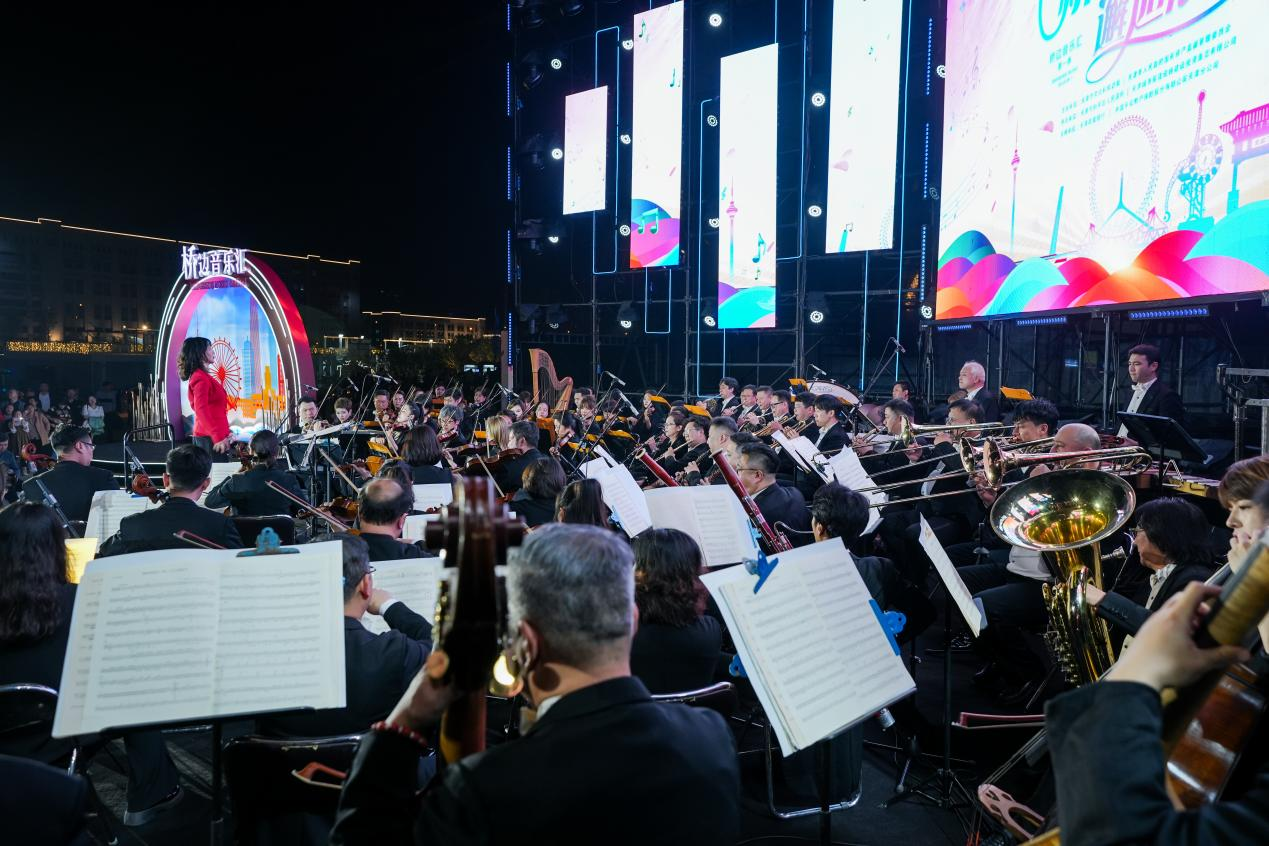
column 557, row 153
column 817, row 308
column 816, row 316
column 626, row 315
column 568, row 8
column 818, row 99
column 715, row 19
column 941, row 70
column 713, row 223
column 531, row 16
column 531, row 69
column 625, row 138
column 710, row 321
column 624, row 229
column 814, row 210
column 712, row 120
column 556, row 63
column 554, row 239
column 628, row 44
column 556, row 317
column 927, row 311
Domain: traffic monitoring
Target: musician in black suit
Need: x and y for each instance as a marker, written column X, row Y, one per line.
column 542, row 482
column 728, row 402
column 972, row 379
column 72, row 480
column 378, row 667
column 1149, row 395
column 382, row 506
column 247, row 493
column 185, row 477
column 756, row 466
column 693, row 461
column 592, row 766
column 803, row 417
column 524, row 436
column 421, row 449
column 35, row 620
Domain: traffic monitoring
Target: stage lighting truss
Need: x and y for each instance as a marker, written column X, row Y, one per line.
column 818, row 99
column 715, row 19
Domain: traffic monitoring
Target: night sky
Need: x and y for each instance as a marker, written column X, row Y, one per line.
column 372, row 136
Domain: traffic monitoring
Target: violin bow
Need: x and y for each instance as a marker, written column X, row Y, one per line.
column 316, row 512
column 338, row 470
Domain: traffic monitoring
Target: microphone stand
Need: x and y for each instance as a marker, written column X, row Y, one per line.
column 51, row 502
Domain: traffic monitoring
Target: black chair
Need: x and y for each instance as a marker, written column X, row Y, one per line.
column 286, row 791
column 720, row 697
column 249, row 528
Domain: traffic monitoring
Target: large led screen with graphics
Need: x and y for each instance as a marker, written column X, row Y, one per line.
column 585, row 150
column 1102, row 153
column 748, row 88
column 863, row 125
column 656, row 149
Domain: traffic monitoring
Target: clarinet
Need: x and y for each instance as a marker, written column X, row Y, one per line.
column 774, row 540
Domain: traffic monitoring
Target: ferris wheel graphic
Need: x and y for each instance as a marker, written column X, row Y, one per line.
column 225, row 367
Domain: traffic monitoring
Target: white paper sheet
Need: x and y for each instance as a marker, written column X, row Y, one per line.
column 711, row 514
column 220, row 471
column 811, row 643
column 415, row 526
column 414, row 581
column 849, row 471
column 109, row 507
column 621, row 494
column 951, row 579
column 429, row 496
column 158, row 638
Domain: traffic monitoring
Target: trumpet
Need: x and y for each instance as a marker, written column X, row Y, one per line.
column 773, row 426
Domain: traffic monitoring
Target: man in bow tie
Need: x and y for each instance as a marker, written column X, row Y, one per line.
column 1149, row 395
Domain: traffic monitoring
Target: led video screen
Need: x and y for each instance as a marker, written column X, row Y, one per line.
column 585, row 150
column 1098, row 154
column 863, row 125
column 656, row 148
column 748, row 88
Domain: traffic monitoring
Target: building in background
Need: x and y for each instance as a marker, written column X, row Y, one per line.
column 386, row 327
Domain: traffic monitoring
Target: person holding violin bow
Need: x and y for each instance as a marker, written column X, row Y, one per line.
column 186, row 475
column 450, row 421
column 247, row 492
column 567, row 443
column 521, row 452
column 421, row 449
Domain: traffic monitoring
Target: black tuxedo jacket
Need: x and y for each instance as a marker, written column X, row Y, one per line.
column 154, row 529
column 73, row 485
column 786, row 504
column 1161, row 401
column 249, row 494
column 378, row 668
column 535, row 511
column 834, row 438
column 990, row 404
column 605, row 764
column 385, row 548
column 1128, row 616
column 430, row 474
column 39, row 662
column 508, row 474
column 672, row 659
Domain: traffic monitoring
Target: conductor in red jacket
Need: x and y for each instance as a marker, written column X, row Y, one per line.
column 206, row 396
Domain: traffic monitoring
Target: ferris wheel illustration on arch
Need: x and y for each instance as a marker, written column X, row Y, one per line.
column 225, row 367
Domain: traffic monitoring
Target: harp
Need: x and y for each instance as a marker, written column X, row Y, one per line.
column 557, row 393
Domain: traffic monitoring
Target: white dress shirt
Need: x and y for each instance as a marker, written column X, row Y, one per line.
column 1138, row 394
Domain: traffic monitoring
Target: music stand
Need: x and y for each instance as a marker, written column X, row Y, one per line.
column 1163, row 436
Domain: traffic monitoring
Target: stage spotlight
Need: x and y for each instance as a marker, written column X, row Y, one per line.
column 624, row 229
column 713, row 223
column 626, row 316
column 712, row 120
column 628, row 44
column 816, row 316
column 556, row 317
column 557, row 153
column 556, row 63
column 715, row 19
column 554, row 239
column 710, row 321
column 927, row 311
column 816, row 308
column 818, row 99
column 533, row 151
column 531, row 16
column 625, row 138
column 814, row 210
column 531, row 69
column 568, row 8
column 941, row 70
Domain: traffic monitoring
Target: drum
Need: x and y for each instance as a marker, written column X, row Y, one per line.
column 831, row 388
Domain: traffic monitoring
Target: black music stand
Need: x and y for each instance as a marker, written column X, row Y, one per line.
column 1163, row 438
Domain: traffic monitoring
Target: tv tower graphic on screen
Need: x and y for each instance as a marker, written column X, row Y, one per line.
column 253, row 363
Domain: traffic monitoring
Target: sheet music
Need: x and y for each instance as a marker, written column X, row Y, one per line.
column 220, row 471
column 428, row 496
column 952, row 580
column 849, row 471
column 787, row 445
column 594, row 468
column 109, row 507
column 159, row 638
column 621, row 494
column 416, row 525
column 811, row 644
column 414, row 581
column 818, row 463
column 711, row 514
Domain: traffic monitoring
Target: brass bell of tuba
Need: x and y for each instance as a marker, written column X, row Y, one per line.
column 1064, row 515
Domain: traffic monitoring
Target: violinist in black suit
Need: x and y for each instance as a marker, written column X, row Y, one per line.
column 542, row 483
column 185, row 477
column 72, row 480
column 247, row 492
column 382, row 506
column 509, row 473
column 1149, row 395
column 756, row 467
column 972, row 379
column 421, row 449
column 591, row 765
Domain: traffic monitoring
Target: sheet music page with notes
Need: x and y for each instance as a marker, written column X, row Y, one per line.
column 430, row 496
column 414, row 581
column 951, row 579
column 818, row 464
column 711, row 514
column 850, row 472
column 621, row 494
column 157, row 638
column 811, row 643
column 787, row 445
column 416, row 525
column 110, row 507
column 220, row 471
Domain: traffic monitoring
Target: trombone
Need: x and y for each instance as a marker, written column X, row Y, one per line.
column 909, row 431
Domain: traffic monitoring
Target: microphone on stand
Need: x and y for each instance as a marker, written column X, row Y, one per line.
column 816, row 369
column 900, row 347
column 614, row 378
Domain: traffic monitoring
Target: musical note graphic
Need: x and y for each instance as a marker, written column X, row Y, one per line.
column 674, row 74
column 762, row 247
column 643, row 29
column 656, row 222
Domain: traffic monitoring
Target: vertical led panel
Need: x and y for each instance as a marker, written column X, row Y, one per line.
column 863, row 125
column 657, row 137
column 748, row 89
column 585, row 150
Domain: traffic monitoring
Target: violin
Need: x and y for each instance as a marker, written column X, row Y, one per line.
column 39, row 459
column 142, row 486
column 342, row 507
column 243, row 453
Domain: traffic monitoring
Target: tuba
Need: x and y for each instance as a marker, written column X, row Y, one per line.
column 1064, row 515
